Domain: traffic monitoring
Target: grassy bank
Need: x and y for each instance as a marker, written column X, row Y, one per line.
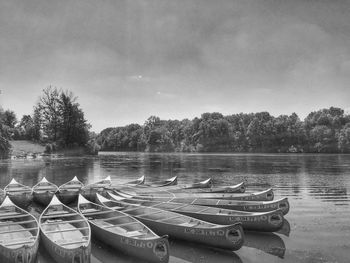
column 22, row 147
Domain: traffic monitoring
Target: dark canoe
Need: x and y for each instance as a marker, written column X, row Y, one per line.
column 267, row 242
column 182, row 227
column 266, row 195
column 248, row 206
column 19, row 234
column 267, row 221
column 65, row 233
column 44, row 191
column 68, row 192
column 238, row 188
column 138, row 189
column 167, row 182
column 21, row 195
column 124, row 232
column 90, row 191
column 138, row 181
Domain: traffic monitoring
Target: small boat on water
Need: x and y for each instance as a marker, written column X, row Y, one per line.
column 21, row 195
column 65, row 233
column 44, row 191
column 138, row 181
column 266, row 195
column 238, row 188
column 69, row 191
column 248, row 206
column 19, row 234
column 124, row 232
column 167, row 182
column 180, row 226
column 136, row 189
column 266, row 221
column 89, row 191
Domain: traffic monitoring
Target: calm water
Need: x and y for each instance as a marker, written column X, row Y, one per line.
column 317, row 187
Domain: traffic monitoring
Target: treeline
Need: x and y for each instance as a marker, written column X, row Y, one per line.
column 323, row 131
column 5, row 133
column 57, row 121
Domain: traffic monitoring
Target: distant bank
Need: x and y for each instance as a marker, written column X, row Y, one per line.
column 29, row 149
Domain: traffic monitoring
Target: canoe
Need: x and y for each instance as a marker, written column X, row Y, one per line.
column 69, row 191
column 238, row 188
column 248, row 206
column 138, row 181
column 180, row 226
column 44, row 191
column 124, row 232
column 266, row 195
column 21, row 195
column 65, row 233
column 151, row 188
column 89, row 191
column 266, row 221
column 167, row 182
column 19, row 234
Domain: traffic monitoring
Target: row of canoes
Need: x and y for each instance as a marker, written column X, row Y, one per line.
column 125, row 222
column 66, row 234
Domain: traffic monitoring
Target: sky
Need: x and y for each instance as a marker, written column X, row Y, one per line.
column 126, row 60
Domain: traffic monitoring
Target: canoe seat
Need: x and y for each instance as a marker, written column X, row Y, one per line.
column 15, row 242
column 109, row 218
column 98, row 212
column 66, row 230
column 18, row 230
column 57, row 222
column 53, row 215
column 64, row 242
column 14, row 216
column 9, row 223
column 123, row 224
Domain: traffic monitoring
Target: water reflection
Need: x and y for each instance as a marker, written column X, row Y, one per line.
column 191, row 252
column 285, row 230
column 267, row 242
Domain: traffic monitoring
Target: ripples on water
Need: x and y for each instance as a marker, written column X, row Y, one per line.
column 318, row 226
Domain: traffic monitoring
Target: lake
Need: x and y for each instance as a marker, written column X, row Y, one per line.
column 317, row 187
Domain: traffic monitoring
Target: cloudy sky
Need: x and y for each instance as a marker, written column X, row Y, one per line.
column 127, row 60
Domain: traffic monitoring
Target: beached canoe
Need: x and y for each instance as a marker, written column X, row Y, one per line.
column 162, row 183
column 138, row 181
column 180, row 226
column 124, row 232
column 266, row 221
column 44, row 191
column 19, row 234
column 248, row 206
column 65, row 233
column 21, row 195
column 266, row 195
column 238, row 188
column 138, row 189
column 69, row 191
column 89, row 191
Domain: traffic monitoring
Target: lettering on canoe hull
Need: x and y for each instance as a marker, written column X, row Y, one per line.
column 262, row 218
column 204, row 232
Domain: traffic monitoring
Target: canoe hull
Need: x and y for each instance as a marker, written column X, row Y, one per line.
column 270, row 222
column 63, row 255
column 22, row 200
column 43, row 198
column 27, row 254
column 224, row 237
column 68, row 196
column 132, row 246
